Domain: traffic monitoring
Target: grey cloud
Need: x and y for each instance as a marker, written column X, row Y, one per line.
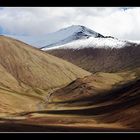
column 36, row 21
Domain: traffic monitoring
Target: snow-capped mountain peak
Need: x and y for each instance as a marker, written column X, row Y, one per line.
column 60, row 37
column 79, row 37
column 67, row 35
column 76, row 37
column 79, row 30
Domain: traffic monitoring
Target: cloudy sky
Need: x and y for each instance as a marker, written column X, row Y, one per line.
column 119, row 22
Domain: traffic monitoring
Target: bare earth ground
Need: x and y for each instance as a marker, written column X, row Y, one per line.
column 107, row 112
column 59, row 123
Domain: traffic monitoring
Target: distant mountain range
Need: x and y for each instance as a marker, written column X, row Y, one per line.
column 74, row 36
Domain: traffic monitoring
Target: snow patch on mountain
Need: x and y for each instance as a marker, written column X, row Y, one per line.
column 91, row 42
column 134, row 41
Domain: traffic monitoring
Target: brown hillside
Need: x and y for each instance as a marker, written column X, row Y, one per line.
column 27, row 74
column 95, row 84
column 100, row 102
column 102, row 59
column 108, row 103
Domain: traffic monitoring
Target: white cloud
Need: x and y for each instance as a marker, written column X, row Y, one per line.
column 36, row 21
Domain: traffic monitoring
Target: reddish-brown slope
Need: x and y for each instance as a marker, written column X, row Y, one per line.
column 101, row 59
